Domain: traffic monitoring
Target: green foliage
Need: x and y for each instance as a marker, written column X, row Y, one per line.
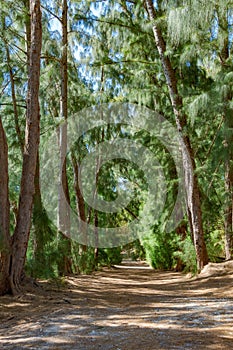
column 186, row 254
column 159, row 248
column 86, row 262
column 134, row 251
column 83, row 261
column 42, row 255
column 109, row 256
column 44, row 265
column 112, row 57
column 215, row 243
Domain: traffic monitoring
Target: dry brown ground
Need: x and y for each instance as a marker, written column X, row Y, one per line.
column 123, row 308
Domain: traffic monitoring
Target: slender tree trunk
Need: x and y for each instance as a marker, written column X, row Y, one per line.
column 13, row 94
column 96, row 251
column 229, row 185
column 229, row 211
column 27, row 24
column 191, row 182
column 64, row 197
column 14, row 101
column 181, row 230
column 38, row 212
column 228, row 142
column 32, row 137
column 5, row 244
column 80, row 202
column 64, row 200
column 79, row 196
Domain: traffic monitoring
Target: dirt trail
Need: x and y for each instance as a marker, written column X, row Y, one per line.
column 132, row 307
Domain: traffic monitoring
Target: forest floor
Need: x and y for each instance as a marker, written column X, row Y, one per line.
column 123, row 308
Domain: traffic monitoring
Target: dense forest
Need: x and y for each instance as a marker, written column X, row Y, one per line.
column 116, row 135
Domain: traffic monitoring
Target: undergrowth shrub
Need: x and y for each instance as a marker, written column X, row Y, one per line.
column 159, row 249
column 186, row 253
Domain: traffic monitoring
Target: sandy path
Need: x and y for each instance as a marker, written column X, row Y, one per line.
column 122, row 309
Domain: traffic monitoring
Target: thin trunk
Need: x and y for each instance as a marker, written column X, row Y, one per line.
column 13, row 95
column 64, row 200
column 5, row 245
column 63, row 215
column 228, row 125
column 191, row 183
column 14, row 102
column 228, row 210
column 27, row 24
column 80, row 202
column 181, row 230
column 98, row 162
column 32, row 138
column 96, row 251
column 229, row 184
column 64, row 197
column 38, row 211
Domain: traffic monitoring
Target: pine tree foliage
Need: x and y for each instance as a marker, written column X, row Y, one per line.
column 112, row 57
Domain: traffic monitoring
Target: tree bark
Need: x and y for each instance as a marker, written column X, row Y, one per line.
column 229, row 212
column 64, row 200
column 27, row 23
column 32, row 137
column 228, row 142
column 13, row 94
column 38, row 212
column 5, row 244
column 191, row 182
column 96, row 251
column 64, row 197
column 14, row 102
column 229, row 185
column 80, row 201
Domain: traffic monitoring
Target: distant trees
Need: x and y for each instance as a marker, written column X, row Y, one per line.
column 172, row 57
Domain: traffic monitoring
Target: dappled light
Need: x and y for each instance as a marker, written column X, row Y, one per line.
column 122, row 309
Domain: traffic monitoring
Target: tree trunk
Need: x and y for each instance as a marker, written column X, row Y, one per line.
column 228, row 142
column 64, row 200
column 32, row 137
column 229, row 212
column 27, row 23
column 96, row 251
column 229, row 185
column 191, row 183
column 80, row 202
column 38, row 213
column 14, row 101
column 5, row 246
column 64, row 197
